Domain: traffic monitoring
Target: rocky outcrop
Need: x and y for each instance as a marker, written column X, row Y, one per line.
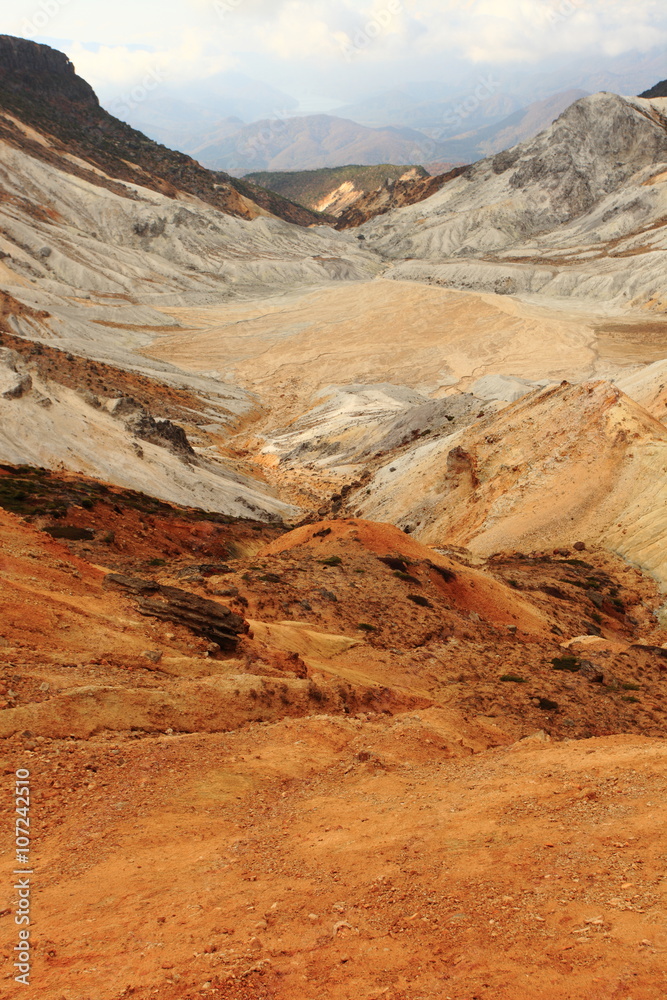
column 660, row 90
column 26, row 66
column 204, row 618
column 141, row 424
column 588, row 156
column 14, row 380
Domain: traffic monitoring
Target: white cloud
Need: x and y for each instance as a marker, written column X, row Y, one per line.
column 195, row 38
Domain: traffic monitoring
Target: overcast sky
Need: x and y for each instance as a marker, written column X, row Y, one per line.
column 328, row 47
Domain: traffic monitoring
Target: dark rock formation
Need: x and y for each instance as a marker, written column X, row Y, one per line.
column 38, row 69
column 18, row 382
column 164, row 433
column 204, row 618
column 660, row 90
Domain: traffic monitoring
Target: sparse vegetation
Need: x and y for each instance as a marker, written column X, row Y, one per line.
column 567, row 663
column 419, row 599
column 332, row 561
column 408, row 578
column 513, row 679
column 547, row 705
column 309, row 187
column 316, row 693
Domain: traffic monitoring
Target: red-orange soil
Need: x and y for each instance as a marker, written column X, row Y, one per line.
column 424, row 807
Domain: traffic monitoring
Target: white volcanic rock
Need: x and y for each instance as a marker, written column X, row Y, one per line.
column 577, row 210
column 355, row 422
column 91, row 256
column 54, row 427
column 502, row 388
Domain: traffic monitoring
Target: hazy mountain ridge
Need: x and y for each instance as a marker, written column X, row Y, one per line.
column 312, row 142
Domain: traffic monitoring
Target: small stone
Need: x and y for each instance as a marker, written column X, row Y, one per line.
column 210, row 949
column 579, row 546
column 154, row 655
column 45, row 686
column 255, row 944
column 261, row 925
column 591, row 672
column 313, row 917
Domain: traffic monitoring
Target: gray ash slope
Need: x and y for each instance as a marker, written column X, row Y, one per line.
column 579, row 209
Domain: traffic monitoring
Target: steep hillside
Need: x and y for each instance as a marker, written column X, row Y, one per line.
column 597, row 462
column 551, row 216
column 391, row 195
column 39, row 86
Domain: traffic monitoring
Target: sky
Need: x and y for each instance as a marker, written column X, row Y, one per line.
column 330, row 50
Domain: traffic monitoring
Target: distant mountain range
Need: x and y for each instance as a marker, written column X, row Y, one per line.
column 312, row 142
column 315, row 142
column 182, row 116
column 517, row 127
column 491, row 94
